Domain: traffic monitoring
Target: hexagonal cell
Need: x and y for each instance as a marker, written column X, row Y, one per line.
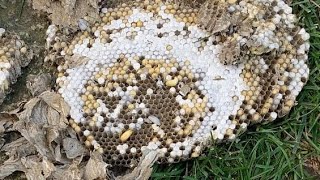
column 126, row 82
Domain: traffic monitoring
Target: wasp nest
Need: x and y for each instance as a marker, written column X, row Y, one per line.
column 147, row 76
column 13, row 56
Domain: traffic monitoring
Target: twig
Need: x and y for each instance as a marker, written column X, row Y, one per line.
column 21, row 10
column 316, row 4
column 3, row 6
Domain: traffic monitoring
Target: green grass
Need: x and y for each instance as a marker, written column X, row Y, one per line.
column 274, row 151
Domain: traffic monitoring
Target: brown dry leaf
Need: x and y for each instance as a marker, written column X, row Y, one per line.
column 96, row 168
column 2, row 141
column 313, row 164
column 15, row 150
column 48, row 167
column 72, row 171
column 19, row 148
column 42, row 121
column 35, row 169
column 67, row 12
column 6, row 122
column 31, row 166
column 144, row 169
column 37, row 84
column 47, row 139
column 8, row 167
column 73, row 148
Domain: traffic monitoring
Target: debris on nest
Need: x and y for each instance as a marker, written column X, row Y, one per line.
column 213, row 16
column 230, row 52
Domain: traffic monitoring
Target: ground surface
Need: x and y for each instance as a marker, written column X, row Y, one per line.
column 286, row 149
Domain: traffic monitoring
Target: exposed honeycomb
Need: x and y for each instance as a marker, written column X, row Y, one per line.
column 150, row 76
column 13, row 56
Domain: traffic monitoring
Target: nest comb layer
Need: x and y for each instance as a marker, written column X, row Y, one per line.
column 13, row 56
column 149, row 77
